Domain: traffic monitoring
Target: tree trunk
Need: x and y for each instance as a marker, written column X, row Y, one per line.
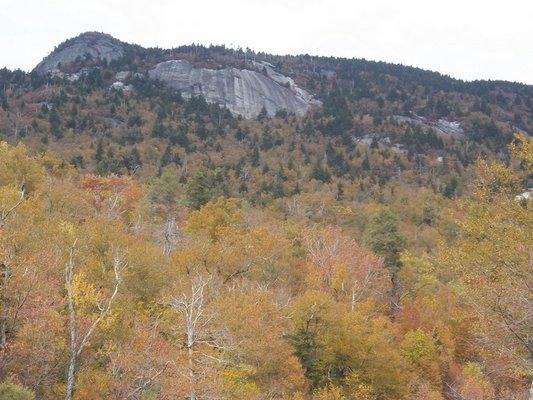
column 170, row 236
column 192, row 394
column 72, row 326
column 75, row 347
column 394, row 300
column 191, row 340
column 71, row 377
column 6, row 272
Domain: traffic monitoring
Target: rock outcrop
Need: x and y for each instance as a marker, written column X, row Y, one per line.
column 243, row 92
column 442, row 125
column 96, row 45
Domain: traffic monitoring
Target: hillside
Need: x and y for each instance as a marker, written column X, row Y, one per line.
column 204, row 222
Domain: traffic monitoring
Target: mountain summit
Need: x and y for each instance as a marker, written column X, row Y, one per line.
column 94, row 45
column 245, row 92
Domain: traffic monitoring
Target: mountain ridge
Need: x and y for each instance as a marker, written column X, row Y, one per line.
column 405, row 113
column 378, row 63
column 243, row 91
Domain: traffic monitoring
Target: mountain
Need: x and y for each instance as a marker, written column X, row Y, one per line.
column 245, row 81
column 203, row 222
column 244, row 92
column 114, row 107
column 87, row 45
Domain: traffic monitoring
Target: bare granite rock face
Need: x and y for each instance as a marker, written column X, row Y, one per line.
column 243, row 92
column 441, row 126
column 97, row 45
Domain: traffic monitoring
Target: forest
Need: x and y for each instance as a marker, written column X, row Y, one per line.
column 158, row 247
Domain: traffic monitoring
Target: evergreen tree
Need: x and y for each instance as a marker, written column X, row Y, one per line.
column 167, row 157
column 198, row 191
column 133, row 160
column 320, row 173
column 263, row 114
column 99, row 154
column 3, row 101
column 336, row 107
column 55, row 122
column 340, row 191
column 254, row 157
column 384, row 238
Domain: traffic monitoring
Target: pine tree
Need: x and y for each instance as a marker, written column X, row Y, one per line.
column 263, row 114
column 198, row 191
column 3, row 101
column 99, row 154
column 254, row 157
column 384, row 238
column 167, row 157
column 55, row 122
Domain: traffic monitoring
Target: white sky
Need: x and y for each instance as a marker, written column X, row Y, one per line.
column 468, row 39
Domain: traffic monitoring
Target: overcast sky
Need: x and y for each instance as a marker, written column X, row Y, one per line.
column 467, row 39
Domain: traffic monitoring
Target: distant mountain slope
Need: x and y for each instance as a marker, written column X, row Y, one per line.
column 368, row 87
column 87, row 45
column 244, row 92
column 256, row 121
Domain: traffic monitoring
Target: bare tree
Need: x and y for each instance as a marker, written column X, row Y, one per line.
column 6, row 212
column 5, row 269
column 169, row 236
column 76, row 346
column 197, row 323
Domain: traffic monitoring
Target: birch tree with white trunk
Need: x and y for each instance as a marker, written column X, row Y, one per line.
column 200, row 334
column 78, row 341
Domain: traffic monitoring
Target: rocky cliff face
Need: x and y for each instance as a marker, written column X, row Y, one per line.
column 243, row 92
column 97, row 45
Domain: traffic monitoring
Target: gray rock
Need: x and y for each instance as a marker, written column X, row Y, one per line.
column 283, row 80
column 243, row 92
column 441, row 126
column 120, row 86
column 97, row 45
column 449, row 127
column 122, row 75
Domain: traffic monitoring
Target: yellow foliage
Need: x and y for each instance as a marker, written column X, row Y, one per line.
column 329, row 393
column 419, row 349
column 214, row 216
column 417, row 275
column 522, row 149
column 238, row 384
column 16, row 167
column 85, row 295
column 492, row 179
column 475, row 385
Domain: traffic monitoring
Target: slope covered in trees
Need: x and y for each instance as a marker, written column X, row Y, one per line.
column 115, row 289
column 156, row 247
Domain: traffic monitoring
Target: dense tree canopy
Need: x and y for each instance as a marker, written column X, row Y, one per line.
column 158, row 247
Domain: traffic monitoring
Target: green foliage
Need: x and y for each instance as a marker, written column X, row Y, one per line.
column 55, row 123
column 198, row 191
column 338, row 113
column 3, row 101
column 11, row 391
column 320, row 173
column 291, row 306
column 383, row 236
